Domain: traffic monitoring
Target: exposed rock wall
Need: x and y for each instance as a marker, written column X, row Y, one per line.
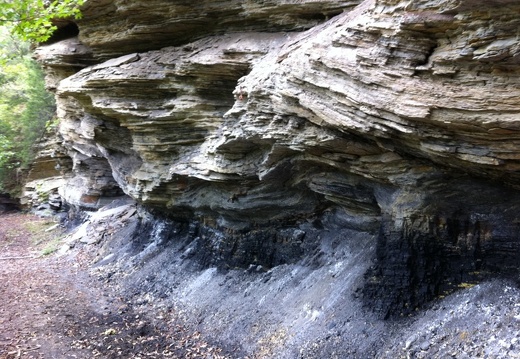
column 254, row 121
column 46, row 175
column 141, row 26
column 371, row 93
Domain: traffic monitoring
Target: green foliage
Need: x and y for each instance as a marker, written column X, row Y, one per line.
column 25, row 108
column 32, row 20
column 6, row 153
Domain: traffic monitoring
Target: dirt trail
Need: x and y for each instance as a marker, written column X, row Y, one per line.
column 51, row 308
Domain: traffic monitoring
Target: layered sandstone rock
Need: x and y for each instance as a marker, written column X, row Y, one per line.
column 120, row 27
column 259, row 120
column 387, row 93
column 46, row 175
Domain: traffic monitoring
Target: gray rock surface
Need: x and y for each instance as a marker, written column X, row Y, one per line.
column 308, row 308
column 381, row 94
column 373, row 141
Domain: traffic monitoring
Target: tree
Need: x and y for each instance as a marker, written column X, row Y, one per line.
column 25, row 108
column 32, row 20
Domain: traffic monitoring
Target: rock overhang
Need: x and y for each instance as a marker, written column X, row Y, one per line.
column 400, row 118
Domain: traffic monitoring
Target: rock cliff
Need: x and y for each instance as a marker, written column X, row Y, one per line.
column 271, row 133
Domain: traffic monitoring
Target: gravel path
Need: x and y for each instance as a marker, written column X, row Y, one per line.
column 51, row 307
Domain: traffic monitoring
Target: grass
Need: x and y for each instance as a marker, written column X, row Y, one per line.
column 41, row 236
column 24, row 230
column 51, row 246
column 37, row 231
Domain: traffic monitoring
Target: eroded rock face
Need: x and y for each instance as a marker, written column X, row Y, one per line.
column 400, row 117
column 119, row 27
column 46, row 176
column 63, row 59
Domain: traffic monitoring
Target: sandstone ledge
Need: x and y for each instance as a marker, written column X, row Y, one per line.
column 399, row 120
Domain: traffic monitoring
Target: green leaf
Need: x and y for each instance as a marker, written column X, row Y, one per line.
column 25, row 108
column 31, row 20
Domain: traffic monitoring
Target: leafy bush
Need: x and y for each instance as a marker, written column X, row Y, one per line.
column 25, row 108
column 32, row 20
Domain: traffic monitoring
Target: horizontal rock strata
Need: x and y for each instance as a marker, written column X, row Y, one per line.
column 254, row 121
column 114, row 28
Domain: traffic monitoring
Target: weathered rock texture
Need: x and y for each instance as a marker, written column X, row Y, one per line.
column 255, row 120
column 46, row 175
